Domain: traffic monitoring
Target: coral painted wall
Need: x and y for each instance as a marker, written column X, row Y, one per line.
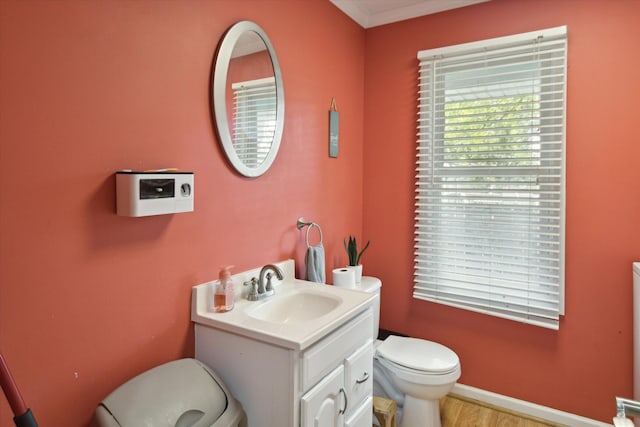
column 586, row 363
column 89, row 299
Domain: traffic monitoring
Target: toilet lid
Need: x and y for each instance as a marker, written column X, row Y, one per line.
column 418, row 354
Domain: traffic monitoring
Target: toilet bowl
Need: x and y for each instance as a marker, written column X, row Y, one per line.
column 414, row 372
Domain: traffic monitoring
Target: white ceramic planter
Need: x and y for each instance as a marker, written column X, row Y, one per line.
column 357, row 269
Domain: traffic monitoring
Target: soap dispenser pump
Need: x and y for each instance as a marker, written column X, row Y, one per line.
column 224, row 294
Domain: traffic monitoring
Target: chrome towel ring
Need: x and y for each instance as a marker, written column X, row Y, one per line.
column 302, row 223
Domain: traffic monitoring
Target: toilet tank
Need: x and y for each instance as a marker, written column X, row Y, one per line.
column 372, row 285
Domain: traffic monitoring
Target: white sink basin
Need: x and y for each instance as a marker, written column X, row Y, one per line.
column 295, row 317
column 296, row 307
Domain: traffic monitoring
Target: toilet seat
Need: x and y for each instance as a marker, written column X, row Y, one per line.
column 410, row 371
column 418, row 356
column 419, row 377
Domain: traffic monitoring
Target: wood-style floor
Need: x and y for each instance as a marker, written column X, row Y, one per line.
column 457, row 411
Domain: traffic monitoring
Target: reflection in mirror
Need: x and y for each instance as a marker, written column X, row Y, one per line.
column 251, row 89
column 248, row 99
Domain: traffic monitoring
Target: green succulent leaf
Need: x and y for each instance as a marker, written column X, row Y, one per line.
column 352, row 250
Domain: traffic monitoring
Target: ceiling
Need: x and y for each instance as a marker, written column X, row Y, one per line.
column 371, row 13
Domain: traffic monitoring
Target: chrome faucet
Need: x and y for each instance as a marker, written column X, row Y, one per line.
column 268, row 287
column 260, row 289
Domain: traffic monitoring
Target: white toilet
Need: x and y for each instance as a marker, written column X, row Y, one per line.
column 414, row 372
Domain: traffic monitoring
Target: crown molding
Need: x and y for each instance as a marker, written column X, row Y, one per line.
column 367, row 14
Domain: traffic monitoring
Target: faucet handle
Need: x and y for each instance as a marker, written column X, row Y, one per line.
column 269, row 286
column 253, row 293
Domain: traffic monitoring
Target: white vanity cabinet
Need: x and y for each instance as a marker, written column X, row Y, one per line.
column 326, row 383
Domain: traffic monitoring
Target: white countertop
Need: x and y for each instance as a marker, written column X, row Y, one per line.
column 297, row 336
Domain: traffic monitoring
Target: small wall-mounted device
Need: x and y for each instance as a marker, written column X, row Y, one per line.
column 153, row 193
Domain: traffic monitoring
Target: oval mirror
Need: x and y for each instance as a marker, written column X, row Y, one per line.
column 248, row 98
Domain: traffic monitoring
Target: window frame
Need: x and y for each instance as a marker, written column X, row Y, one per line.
column 428, row 116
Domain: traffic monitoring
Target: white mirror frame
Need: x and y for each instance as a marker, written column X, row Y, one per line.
column 218, row 95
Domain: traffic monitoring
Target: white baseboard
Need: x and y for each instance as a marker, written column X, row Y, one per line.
column 528, row 408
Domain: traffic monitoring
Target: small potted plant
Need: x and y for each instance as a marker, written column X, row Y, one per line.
column 354, row 256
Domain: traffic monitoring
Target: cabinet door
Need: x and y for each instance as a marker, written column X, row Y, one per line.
column 359, row 374
column 362, row 416
column 324, row 404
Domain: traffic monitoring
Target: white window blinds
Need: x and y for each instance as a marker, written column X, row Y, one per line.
column 254, row 121
column 489, row 234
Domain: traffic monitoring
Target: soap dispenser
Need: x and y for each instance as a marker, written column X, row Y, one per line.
column 224, row 294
